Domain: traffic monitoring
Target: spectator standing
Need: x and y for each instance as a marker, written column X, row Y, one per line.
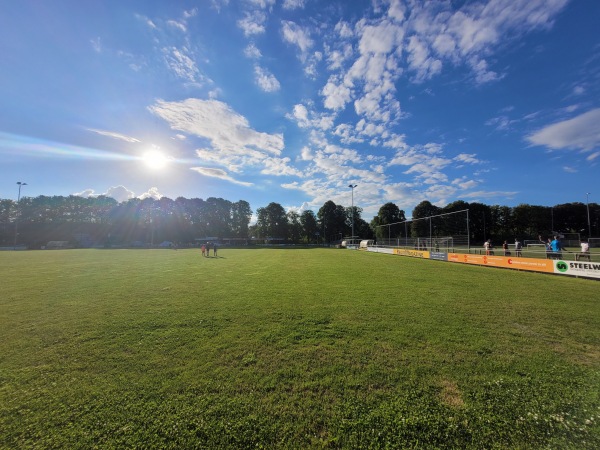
column 585, row 251
column 518, row 248
column 488, row 247
column 557, row 248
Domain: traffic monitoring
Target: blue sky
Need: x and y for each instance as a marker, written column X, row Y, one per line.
column 290, row 101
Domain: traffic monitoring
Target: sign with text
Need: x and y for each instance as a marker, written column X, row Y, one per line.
column 560, row 267
column 412, row 253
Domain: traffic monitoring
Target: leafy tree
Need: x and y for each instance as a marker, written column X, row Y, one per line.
column 389, row 214
column 422, row 228
column 308, row 220
column 479, row 220
column 294, row 226
column 217, row 213
column 240, row 218
column 328, row 223
column 272, row 221
column 502, row 222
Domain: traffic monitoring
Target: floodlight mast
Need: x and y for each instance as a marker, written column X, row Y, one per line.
column 21, row 184
column 352, row 186
column 587, row 203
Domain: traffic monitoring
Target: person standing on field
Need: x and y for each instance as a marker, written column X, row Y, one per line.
column 488, row 247
column 215, row 249
column 518, row 248
column 557, row 248
column 585, row 251
column 203, row 250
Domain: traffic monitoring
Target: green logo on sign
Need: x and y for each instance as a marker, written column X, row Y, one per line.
column 562, row 266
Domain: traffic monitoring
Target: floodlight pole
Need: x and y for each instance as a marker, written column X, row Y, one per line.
column 352, row 186
column 587, row 204
column 21, row 184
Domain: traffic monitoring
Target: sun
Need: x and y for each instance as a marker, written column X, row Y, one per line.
column 155, row 159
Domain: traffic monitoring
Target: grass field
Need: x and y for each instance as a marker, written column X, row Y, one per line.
column 292, row 349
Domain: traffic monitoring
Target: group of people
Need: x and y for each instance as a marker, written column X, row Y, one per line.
column 554, row 248
column 206, row 249
column 489, row 248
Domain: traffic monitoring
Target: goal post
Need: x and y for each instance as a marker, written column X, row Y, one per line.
column 440, row 232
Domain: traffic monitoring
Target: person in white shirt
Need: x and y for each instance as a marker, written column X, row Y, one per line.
column 585, row 251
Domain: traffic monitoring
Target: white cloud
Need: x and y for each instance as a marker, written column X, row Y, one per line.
column 181, row 63
column 97, row 44
column 280, row 167
column 119, row 193
column 151, row 193
column 383, row 37
column 190, row 13
column 593, row 156
column 264, row 4
column 293, row 4
column 114, row 135
column 336, row 94
column 252, row 52
column 86, row 193
column 265, row 80
column 146, row 21
column 579, row 133
column 218, row 173
column 297, row 35
column 344, row 30
column 306, row 118
column 178, row 25
column 217, row 4
column 467, row 158
column 252, row 23
column 234, row 144
column 500, row 123
column 420, row 60
column 228, row 131
column 464, row 183
column 469, row 35
column 480, row 195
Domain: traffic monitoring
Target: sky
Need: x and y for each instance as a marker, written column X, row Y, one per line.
column 293, row 101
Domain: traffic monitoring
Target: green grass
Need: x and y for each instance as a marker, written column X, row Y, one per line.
column 292, row 349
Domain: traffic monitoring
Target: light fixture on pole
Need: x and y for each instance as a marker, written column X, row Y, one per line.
column 21, row 184
column 587, row 204
column 352, row 186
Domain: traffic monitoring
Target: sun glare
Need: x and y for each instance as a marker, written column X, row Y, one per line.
column 155, row 159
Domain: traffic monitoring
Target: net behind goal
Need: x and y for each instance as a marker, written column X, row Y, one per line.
column 533, row 244
column 441, row 232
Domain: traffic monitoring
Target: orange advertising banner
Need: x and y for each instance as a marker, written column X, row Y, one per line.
column 531, row 264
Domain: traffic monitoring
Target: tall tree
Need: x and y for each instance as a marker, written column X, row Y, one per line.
column 328, row 224
column 241, row 213
column 217, row 213
column 422, row 219
column 294, row 226
column 272, row 221
column 308, row 219
column 389, row 214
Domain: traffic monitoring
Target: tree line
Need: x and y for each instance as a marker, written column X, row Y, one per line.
column 102, row 220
